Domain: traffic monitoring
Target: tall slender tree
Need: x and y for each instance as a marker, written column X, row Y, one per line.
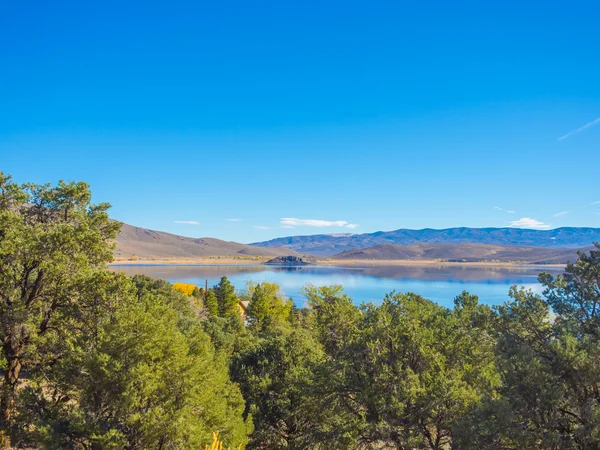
column 226, row 298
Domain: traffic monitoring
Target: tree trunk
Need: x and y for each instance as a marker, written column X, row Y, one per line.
column 11, row 378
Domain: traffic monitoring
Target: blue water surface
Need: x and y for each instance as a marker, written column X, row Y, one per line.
column 365, row 283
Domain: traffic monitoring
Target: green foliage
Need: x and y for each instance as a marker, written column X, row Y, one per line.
column 549, row 365
column 93, row 359
column 227, row 301
column 211, row 303
column 110, row 362
column 333, row 317
column 147, row 375
column 273, row 375
column 267, row 306
column 402, row 374
column 51, row 240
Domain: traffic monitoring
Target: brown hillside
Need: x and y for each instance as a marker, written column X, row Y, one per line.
column 461, row 252
column 144, row 243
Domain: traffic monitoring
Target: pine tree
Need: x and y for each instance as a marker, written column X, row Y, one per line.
column 226, row 299
column 211, row 303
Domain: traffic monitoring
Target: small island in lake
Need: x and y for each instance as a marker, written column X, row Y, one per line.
column 287, row 261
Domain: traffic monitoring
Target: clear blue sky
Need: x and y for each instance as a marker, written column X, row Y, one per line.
column 380, row 115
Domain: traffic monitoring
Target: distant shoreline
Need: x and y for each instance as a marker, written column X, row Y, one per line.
column 428, row 262
column 324, row 262
column 214, row 260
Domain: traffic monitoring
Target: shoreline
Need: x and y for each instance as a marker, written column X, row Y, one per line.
column 229, row 261
column 212, row 261
column 431, row 262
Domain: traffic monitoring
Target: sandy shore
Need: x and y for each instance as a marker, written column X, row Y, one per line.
column 325, row 262
column 183, row 261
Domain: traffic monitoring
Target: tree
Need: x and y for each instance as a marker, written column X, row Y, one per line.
column 226, row 298
column 211, row 303
column 51, row 238
column 332, row 317
column 185, row 288
column 141, row 374
column 398, row 375
column 337, row 420
column 548, row 355
column 267, row 306
column 274, row 374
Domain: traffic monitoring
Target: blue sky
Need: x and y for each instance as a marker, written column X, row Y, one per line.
column 308, row 117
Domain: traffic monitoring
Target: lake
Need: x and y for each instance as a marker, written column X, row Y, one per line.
column 366, row 283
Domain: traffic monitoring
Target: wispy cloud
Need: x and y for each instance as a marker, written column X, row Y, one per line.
column 497, row 208
column 562, row 213
column 234, row 220
column 187, row 222
column 580, row 129
column 290, row 222
column 594, row 203
column 262, row 227
column 527, row 222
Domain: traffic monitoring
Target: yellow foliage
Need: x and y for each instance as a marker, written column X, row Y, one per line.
column 133, row 258
column 217, row 444
column 185, row 288
column 5, row 441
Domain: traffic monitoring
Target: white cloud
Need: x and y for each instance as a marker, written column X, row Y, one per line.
column 527, row 222
column 187, row 222
column 292, row 222
column 580, row 129
column 562, row 213
column 594, row 203
column 262, row 227
column 504, row 210
column 234, row 220
column 286, row 226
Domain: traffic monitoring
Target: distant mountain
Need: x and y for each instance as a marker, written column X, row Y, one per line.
column 461, row 252
column 146, row 244
column 328, row 244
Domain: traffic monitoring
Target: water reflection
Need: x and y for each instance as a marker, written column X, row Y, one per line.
column 440, row 283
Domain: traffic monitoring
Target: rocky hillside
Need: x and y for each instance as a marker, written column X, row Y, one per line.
column 287, row 261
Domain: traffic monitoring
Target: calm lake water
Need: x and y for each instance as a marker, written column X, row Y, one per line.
column 438, row 283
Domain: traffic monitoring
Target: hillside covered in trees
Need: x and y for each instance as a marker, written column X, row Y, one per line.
column 92, row 359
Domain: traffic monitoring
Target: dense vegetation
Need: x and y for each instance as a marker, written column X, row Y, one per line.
column 92, row 359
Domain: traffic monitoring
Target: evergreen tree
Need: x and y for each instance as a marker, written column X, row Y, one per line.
column 51, row 239
column 549, row 357
column 226, row 299
column 211, row 303
column 147, row 375
column 267, row 306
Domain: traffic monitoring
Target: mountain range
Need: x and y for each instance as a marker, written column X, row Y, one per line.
column 462, row 253
column 327, row 245
column 148, row 244
column 454, row 244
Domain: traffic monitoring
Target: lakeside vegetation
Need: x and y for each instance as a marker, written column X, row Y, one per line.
column 93, row 359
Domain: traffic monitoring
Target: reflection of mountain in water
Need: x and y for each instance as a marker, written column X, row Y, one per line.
column 287, row 268
column 456, row 273
column 440, row 272
column 168, row 272
column 440, row 283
